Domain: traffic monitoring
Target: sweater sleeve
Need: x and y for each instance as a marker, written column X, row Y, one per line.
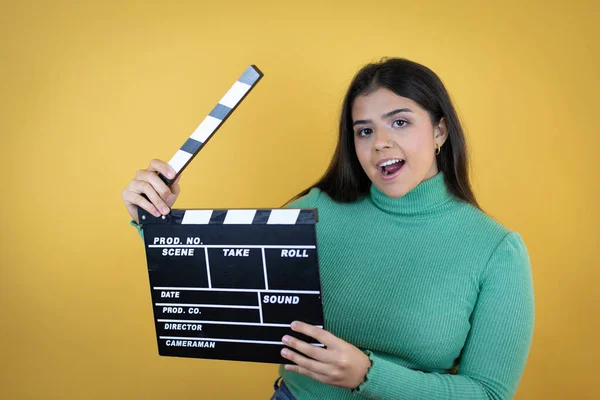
column 138, row 227
column 496, row 350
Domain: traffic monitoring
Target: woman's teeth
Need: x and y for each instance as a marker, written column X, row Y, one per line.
column 389, row 162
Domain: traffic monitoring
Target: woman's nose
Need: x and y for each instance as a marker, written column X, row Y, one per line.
column 382, row 140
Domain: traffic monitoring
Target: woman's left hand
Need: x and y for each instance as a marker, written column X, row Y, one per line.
column 340, row 364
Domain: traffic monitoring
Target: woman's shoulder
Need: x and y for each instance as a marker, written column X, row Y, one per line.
column 306, row 200
column 314, row 198
column 318, row 198
column 483, row 220
column 490, row 229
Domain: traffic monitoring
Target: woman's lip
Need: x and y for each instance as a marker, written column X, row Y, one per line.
column 391, row 176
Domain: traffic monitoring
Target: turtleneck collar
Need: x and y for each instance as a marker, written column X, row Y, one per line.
column 427, row 198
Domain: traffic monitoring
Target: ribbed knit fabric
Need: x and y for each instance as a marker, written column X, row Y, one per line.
column 415, row 283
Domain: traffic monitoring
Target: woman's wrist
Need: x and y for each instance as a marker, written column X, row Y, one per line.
column 367, row 368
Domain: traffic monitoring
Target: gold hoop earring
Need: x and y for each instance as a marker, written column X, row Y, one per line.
column 437, row 149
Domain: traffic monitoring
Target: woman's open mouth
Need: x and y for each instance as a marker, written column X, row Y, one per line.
column 390, row 168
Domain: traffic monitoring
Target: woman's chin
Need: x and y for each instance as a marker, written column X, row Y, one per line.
column 393, row 191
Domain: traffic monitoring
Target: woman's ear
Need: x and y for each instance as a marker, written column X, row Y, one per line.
column 440, row 132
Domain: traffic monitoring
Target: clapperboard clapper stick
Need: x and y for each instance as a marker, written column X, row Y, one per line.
column 227, row 283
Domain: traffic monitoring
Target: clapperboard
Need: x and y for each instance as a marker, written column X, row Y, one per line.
column 227, row 283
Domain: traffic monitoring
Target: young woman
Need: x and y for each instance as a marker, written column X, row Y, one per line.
column 424, row 295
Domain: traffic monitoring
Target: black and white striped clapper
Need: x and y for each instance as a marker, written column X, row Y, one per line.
column 227, row 283
column 213, row 121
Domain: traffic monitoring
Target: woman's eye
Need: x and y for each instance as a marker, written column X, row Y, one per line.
column 364, row 131
column 400, row 123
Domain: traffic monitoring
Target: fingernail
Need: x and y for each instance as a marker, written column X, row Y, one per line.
column 284, row 352
column 294, row 325
column 165, row 210
column 285, row 339
column 171, row 174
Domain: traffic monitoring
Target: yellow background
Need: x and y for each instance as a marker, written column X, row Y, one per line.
column 91, row 91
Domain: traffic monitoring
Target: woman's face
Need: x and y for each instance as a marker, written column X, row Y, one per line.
column 395, row 141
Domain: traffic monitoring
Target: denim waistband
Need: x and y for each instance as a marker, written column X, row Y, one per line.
column 282, row 392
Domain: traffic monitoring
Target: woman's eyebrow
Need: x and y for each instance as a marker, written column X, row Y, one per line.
column 384, row 116
column 399, row 110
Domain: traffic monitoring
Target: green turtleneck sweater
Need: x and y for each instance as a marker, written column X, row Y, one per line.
column 417, row 282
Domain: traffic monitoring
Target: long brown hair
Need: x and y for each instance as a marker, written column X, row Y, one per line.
column 345, row 180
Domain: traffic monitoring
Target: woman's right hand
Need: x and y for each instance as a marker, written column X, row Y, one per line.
column 160, row 198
